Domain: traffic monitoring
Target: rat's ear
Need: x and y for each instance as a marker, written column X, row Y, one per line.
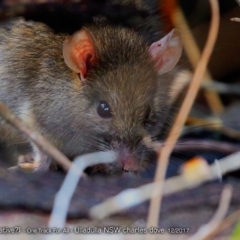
column 167, row 51
column 79, row 53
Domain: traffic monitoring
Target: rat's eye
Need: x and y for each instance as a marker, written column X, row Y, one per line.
column 104, row 110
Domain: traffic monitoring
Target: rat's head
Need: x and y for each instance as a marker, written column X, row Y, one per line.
column 124, row 94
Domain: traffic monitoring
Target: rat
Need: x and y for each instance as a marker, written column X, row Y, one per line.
column 102, row 88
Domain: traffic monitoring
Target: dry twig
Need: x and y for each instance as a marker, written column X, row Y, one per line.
column 236, row 19
column 223, row 88
column 215, row 124
column 64, row 195
column 36, row 137
column 132, row 197
column 238, row 2
column 225, row 223
column 206, row 145
column 194, row 54
column 208, row 228
column 165, row 152
column 197, row 145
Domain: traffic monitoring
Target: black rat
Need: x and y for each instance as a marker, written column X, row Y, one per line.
column 102, row 88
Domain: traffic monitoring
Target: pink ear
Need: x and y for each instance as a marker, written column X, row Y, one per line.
column 79, row 53
column 167, row 51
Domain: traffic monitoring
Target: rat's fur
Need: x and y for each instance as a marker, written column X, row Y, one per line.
column 39, row 87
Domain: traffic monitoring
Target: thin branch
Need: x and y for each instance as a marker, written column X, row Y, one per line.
column 225, row 223
column 36, row 137
column 235, row 19
column 195, row 145
column 222, row 88
column 206, row 145
column 155, row 203
column 133, row 197
column 214, row 124
column 192, row 50
column 64, row 195
column 208, row 228
column 238, row 2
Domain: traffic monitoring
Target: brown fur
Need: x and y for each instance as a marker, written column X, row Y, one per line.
column 38, row 86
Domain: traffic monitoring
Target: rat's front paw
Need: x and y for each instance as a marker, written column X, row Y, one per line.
column 36, row 161
column 26, row 162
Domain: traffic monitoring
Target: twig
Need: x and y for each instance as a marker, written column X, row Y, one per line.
column 208, row 228
column 206, row 145
column 36, row 137
column 193, row 53
column 225, row 223
column 235, row 19
column 213, row 85
column 210, row 84
column 132, row 197
column 238, row 2
column 222, row 88
column 215, row 124
column 155, row 203
column 196, row 145
column 64, row 195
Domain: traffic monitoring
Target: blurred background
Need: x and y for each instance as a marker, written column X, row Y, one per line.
column 215, row 115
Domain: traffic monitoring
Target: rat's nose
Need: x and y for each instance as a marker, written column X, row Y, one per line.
column 129, row 164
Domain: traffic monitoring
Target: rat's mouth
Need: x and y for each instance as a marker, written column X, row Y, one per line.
column 123, row 164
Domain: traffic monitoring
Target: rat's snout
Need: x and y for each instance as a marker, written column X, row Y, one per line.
column 127, row 159
column 129, row 163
